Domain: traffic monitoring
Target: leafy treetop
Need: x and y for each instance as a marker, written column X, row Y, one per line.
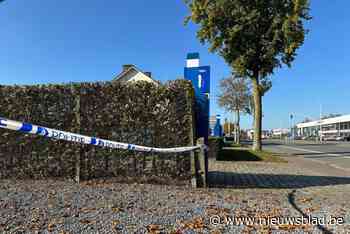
column 253, row 36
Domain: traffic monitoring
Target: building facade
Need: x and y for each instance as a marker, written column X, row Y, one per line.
column 331, row 127
column 280, row 132
column 264, row 134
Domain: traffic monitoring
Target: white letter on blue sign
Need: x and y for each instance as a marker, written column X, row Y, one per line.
column 1, row 123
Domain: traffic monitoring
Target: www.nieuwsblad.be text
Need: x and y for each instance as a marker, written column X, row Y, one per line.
column 275, row 221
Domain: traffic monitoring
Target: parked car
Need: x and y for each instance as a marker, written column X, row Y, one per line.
column 336, row 138
column 329, row 138
column 340, row 138
column 309, row 138
column 347, row 138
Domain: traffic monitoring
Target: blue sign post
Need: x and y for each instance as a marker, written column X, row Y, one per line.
column 200, row 78
column 218, row 127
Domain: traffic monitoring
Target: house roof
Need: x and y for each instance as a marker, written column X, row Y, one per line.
column 132, row 68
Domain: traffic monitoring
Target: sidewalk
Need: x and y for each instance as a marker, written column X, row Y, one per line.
column 297, row 173
column 312, row 189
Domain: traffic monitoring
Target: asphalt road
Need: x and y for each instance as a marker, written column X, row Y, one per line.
column 335, row 154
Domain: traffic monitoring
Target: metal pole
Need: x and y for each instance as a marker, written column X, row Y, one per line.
column 293, row 133
column 291, row 129
column 320, row 132
column 281, row 125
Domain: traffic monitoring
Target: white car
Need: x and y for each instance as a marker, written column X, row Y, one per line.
column 330, row 138
column 340, row 138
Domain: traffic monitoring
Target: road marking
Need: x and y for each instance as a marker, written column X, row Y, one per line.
column 312, row 151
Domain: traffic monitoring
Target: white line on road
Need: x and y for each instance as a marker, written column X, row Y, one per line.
column 312, row 151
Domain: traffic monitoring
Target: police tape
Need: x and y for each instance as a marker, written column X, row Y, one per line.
column 72, row 137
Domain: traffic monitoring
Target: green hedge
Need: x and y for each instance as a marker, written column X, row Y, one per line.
column 139, row 113
column 215, row 146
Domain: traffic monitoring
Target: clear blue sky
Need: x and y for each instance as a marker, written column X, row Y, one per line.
column 62, row 41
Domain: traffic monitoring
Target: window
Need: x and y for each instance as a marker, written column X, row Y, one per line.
column 345, row 126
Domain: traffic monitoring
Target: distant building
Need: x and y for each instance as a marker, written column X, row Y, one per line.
column 330, row 127
column 131, row 73
column 264, row 134
column 279, row 132
column 229, row 128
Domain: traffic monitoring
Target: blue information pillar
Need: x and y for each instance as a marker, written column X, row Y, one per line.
column 200, row 78
column 218, row 127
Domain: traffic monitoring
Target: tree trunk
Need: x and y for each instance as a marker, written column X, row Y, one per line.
column 238, row 129
column 257, row 114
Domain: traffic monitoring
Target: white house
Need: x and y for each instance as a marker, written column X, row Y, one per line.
column 131, row 73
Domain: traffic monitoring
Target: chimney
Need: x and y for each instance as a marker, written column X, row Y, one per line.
column 149, row 74
column 127, row 66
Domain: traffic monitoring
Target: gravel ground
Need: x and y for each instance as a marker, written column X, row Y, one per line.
column 105, row 207
column 267, row 192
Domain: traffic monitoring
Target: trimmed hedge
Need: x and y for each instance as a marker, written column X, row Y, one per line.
column 139, row 113
column 215, row 145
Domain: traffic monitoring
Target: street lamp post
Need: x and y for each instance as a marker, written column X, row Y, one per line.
column 320, row 133
column 291, row 128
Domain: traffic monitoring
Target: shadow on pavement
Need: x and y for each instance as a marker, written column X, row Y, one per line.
column 291, row 199
column 237, row 155
column 218, row 179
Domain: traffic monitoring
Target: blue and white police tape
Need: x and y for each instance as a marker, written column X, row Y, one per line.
column 72, row 137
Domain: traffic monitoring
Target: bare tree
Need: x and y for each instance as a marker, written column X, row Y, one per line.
column 235, row 97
